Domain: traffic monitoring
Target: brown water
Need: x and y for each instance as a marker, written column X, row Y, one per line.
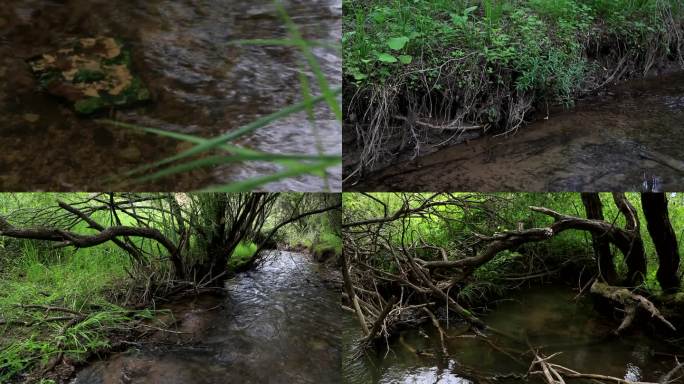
column 594, row 147
column 547, row 317
column 278, row 324
column 202, row 85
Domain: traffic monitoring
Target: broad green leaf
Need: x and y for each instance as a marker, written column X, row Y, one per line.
column 470, row 10
column 398, row 43
column 405, row 59
column 359, row 76
column 386, row 58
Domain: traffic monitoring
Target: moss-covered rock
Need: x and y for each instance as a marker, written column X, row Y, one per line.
column 91, row 73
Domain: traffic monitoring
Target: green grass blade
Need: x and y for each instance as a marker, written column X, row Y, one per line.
column 222, row 160
column 222, row 139
column 329, row 95
column 252, row 184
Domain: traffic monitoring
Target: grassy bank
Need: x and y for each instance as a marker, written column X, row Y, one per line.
column 58, row 305
column 420, row 72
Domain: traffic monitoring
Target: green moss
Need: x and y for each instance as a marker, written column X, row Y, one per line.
column 54, row 77
column 124, row 58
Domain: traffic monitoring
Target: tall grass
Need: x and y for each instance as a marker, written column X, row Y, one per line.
column 82, row 281
column 223, row 150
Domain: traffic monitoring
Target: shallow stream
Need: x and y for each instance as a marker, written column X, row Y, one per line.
column 595, row 146
column 201, row 83
column 278, row 324
column 548, row 317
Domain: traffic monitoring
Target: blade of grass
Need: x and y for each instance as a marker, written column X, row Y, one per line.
column 251, row 184
column 233, row 149
column 232, row 135
column 329, row 95
column 222, row 160
column 288, row 43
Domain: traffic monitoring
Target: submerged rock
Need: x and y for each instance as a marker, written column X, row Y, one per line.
column 91, row 73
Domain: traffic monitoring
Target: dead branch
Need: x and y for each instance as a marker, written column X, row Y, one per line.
column 555, row 373
column 83, row 241
column 377, row 325
column 349, row 287
column 442, row 334
column 669, row 377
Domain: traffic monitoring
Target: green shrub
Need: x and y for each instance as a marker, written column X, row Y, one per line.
column 242, row 254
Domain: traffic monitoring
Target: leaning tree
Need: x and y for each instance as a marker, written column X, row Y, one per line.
column 193, row 233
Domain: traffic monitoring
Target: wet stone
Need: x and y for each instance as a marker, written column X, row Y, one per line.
column 93, row 74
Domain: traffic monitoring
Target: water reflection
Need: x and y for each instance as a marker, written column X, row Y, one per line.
column 548, row 318
column 279, row 324
column 596, row 146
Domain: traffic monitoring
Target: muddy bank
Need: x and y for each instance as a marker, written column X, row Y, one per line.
column 278, row 323
column 600, row 145
column 201, row 85
column 547, row 317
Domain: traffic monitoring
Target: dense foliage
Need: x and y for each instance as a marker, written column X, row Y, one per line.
column 491, row 62
column 486, row 214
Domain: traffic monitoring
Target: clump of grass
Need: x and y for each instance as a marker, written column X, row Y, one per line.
column 488, row 63
column 327, row 242
column 79, row 284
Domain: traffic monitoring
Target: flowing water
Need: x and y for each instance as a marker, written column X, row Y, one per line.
column 596, row 146
column 278, row 324
column 548, row 317
column 201, row 84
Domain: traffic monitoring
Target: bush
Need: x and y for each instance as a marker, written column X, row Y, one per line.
column 242, row 254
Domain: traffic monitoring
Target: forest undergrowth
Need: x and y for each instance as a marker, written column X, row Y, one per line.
column 432, row 73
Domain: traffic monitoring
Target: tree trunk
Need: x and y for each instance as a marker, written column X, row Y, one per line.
column 635, row 256
column 604, row 258
column 664, row 238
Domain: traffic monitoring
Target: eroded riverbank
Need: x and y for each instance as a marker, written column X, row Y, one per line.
column 597, row 146
column 201, row 84
column 277, row 324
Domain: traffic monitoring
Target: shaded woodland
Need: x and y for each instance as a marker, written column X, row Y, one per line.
column 414, row 259
column 83, row 274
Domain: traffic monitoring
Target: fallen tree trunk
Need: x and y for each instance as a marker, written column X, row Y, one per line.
column 631, row 303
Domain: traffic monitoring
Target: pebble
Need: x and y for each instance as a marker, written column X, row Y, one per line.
column 31, row 117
